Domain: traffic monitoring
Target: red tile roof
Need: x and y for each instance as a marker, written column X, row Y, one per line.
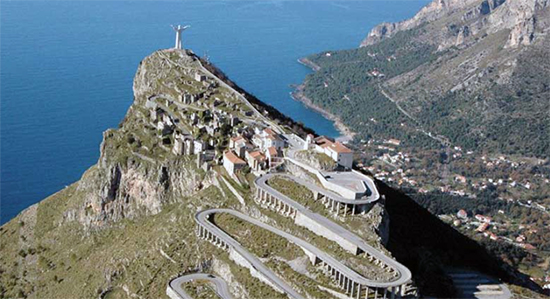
column 237, row 138
column 233, row 158
column 272, row 151
column 269, row 131
column 257, row 155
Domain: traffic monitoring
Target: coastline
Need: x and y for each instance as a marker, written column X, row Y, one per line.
column 346, row 134
column 310, row 64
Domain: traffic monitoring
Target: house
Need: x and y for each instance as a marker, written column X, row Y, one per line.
column 240, row 145
column 520, row 239
column 200, row 77
column 492, row 236
column 483, row 218
column 462, row 214
column 198, row 146
column 482, row 227
column 179, row 147
column 396, row 142
column 232, row 162
column 273, row 141
column 460, row 179
column 336, row 150
column 273, row 156
column 377, row 74
column 268, row 138
column 256, row 160
column 189, row 147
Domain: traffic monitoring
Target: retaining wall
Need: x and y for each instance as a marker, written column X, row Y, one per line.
column 320, row 230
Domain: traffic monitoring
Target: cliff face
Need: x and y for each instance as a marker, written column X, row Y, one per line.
column 135, row 174
column 463, row 19
column 431, row 12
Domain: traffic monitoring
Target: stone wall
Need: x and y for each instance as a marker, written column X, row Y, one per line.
column 319, row 229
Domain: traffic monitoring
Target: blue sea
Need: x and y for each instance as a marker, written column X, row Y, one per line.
column 66, row 69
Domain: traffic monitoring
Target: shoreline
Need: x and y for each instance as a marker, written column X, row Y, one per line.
column 346, row 134
column 306, row 62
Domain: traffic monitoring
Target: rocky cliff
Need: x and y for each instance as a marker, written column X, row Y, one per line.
column 472, row 19
column 127, row 226
column 136, row 175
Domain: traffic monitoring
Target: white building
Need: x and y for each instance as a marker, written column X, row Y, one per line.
column 179, row 147
column 198, row 146
column 256, row 160
column 336, row 150
column 232, row 163
column 200, row 77
column 268, row 138
column 240, row 145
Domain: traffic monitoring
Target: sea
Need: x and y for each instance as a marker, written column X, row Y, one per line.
column 66, row 69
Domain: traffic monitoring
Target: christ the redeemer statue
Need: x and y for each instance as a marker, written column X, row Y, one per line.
column 179, row 29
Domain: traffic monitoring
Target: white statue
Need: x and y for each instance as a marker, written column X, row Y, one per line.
column 179, row 29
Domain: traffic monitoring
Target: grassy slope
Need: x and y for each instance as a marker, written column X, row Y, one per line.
column 354, row 223
column 506, row 118
column 354, row 94
column 63, row 261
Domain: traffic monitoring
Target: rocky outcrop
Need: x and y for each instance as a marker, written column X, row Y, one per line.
column 457, row 20
column 430, row 12
column 125, row 183
column 522, row 18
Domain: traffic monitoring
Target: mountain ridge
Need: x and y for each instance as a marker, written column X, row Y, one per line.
column 448, row 105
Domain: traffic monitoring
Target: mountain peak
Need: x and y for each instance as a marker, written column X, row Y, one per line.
column 454, row 21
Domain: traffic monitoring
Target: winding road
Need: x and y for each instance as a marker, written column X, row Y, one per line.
column 221, row 286
column 353, row 283
column 213, row 233
column 402, row 272
column 327, row 193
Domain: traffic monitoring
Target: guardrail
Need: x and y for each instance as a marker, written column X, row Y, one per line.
column 347, row 279
column 275, row 200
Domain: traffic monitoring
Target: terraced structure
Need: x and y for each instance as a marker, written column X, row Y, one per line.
column 350, row 281
column 270, row 198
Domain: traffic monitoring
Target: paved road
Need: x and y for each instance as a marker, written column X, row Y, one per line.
column 328, row 193
column 296, row 144
column 475, row 285
column 404, row 275
column 221, row 287
column 202, row 218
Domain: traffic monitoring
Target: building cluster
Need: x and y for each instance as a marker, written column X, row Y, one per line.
column 260, row 150
column 201, row 130
column 482, row 224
